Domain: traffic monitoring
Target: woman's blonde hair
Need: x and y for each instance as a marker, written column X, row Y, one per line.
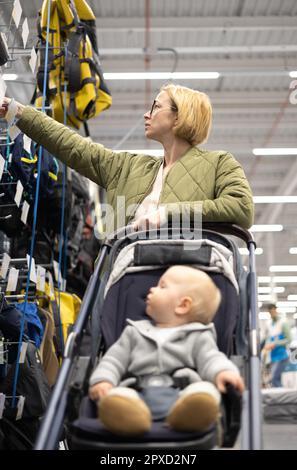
column 194, row 113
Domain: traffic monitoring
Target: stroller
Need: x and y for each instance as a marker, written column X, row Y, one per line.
column 132, row 263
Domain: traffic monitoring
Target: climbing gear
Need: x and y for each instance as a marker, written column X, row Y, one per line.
column 74, row 60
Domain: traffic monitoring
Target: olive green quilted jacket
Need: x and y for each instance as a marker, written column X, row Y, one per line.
column 213, row 178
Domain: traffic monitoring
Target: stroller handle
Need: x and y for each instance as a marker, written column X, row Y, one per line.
column 218, row 227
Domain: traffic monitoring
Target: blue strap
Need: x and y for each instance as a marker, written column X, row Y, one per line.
column 62, row 241
column 15, row 379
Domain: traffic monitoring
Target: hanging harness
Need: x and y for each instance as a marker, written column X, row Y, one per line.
column 73, row 60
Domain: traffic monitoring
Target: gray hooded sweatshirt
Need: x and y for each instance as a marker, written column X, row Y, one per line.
column 139, row 352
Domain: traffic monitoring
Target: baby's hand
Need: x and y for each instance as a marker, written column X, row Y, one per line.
column 99, row 390
column 231, row 377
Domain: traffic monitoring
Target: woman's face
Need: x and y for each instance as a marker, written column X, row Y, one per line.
column 160, row 120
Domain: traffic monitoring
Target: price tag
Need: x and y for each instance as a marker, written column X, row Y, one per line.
column 27, row 143
column 5, row 265
column 2, row 353
column 2, row 404
column 18, row 193
column 23, row 352
column 12, row 280
column 33, row 277
column 41, row 273
column 25, row 32
column 33, row 60
column 20, row 407
column 63, row 285
column 25, row 210
column 51, row 284
column 57, row 271
column 3, row 87
column 2, row 164
column 17, row 12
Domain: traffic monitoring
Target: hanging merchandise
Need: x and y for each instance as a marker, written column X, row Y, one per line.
column 48, row 347
column 69, row 309
column 10, row 213
column 32, row 384
column 10, row 324
column 23, row 163
column 34, row 325
column 74, row 59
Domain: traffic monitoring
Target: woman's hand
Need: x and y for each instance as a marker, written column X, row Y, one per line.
column 4, row 108
column 99, row 390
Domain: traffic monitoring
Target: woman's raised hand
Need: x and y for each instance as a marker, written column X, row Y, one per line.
column 4, row 106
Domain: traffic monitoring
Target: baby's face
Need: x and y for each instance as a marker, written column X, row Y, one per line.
column 162, row 300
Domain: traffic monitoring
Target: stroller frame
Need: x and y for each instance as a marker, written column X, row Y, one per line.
column 74, row 368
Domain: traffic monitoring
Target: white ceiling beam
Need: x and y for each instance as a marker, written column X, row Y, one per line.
column 200, row 23
column 266, row 49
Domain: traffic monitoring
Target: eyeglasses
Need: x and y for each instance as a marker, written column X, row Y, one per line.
column 156, row 108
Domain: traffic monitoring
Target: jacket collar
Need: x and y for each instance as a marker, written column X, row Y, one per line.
column 147, row 328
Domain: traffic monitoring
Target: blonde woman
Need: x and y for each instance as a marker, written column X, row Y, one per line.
column 143, row 189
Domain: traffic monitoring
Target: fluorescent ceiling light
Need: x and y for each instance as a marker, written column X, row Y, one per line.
column 292, row 297
column 161, row 75
column 266, row 297
column 274, row 199
column 266, row 228
column 293, row 74
column 245, row 251
column 283, row 269
column 264, row 316
column 275, row 151
column 268, row 290
column 286, row 309
column 8, row 77
column 285, row 303
column 293, row 250
column 277, row 279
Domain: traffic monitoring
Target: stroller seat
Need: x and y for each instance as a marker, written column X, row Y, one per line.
column 87, row 429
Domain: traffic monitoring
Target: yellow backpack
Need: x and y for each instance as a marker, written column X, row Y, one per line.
column 72, row 22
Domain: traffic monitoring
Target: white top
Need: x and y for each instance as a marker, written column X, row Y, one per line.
column 162, row 334
column 151, row 201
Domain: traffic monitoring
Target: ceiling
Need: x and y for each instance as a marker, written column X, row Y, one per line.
column 252, row 44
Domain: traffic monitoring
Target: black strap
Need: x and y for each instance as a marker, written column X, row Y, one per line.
column 178, row 382
column 59, row 343
column 86, row 128
column 232, row 402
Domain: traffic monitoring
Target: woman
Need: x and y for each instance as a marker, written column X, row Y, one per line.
column 187, row 180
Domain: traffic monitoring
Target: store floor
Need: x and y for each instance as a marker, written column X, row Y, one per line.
column 280, row 436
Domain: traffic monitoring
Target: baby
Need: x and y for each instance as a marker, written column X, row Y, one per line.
column 179, row 340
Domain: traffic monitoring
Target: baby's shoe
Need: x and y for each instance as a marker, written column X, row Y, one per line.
column 196, row 408
column 123, row 412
